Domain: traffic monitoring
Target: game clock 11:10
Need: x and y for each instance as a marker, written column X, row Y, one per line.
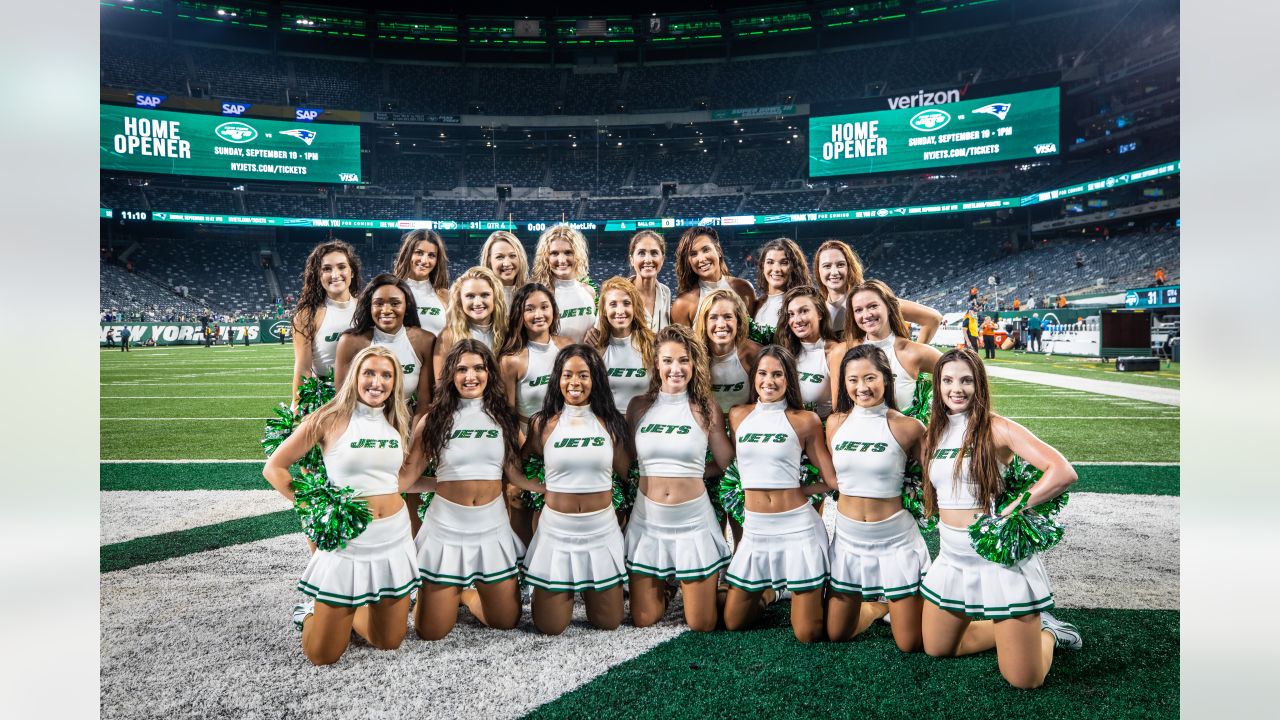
column 179, row 143
column 1012, row 126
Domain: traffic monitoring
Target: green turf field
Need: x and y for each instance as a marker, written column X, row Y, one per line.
column 1170, row 376
column 199, row 414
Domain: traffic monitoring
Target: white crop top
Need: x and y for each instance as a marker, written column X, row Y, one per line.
column 482, row 334
column 835, row 312
column 661, row 315
column 815, row 377
column 904, row 383
column 705, row 288
column 368, row 455
column 869, row 461
column 669, row 440
column 476, row 450
column 954, row 493
column 728, row 380
column 324, row 344
column 768, row 449
column 430, row 309
column 410, row 363
column 532, row 388
column 577, row 309
column 628, row 377
column 770, row 310
column 579, row 454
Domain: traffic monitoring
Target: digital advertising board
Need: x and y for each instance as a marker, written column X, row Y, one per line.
column 1010, row 126
column 146, row 140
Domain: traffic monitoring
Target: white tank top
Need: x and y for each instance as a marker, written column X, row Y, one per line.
column 768, row 449
column 815, row 377
column 324, row 344
column 410, row 363
column 706, row 288
column 579, row 454
column 482, row 334
column 430, row 309
column 368, row 455
column 768, row 315
column 955, row 492
column 869, row 461
column 577, row 309
column 628, row 377
column 661, row 315
column 669, row 440
column 904, row 383
column 475, row 450
column 728, row 380
column 532, row 388
column 836, row 311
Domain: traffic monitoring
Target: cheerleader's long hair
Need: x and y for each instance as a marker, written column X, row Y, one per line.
column 797, row 276
column 978, row 446
column 699, row 389
column 600, row 401
column 522, row 258
column 541, row 271
column 444, row 404
column 362, row 323
column 439, row 275
column 686, row 278
column 741, row 318
column 791, row 377
column 313, row 295
column 456, row 320
column 892, row 309
column 641, row 333
column 880, row 361
column 786, row 337
column 517, row 333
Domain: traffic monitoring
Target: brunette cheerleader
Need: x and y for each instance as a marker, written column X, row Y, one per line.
column 780, row 266
column 325, row 309
column 700, row 268
column 424, row 266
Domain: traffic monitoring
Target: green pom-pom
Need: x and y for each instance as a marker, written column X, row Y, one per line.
column 809, row 475
column 537, row 472
column 624, row 491
column 761, row 334
column 1018, row 479
column 732, row 496
column 590, row 283
column 921, row 398
column 330, row 515
column 426, row 499
column 713, row 490
column 1011, row 539
column 913, row 495
column 314, row 392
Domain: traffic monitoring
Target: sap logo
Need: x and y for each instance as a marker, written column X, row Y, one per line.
column 763, row 438
column 998, row 109
column 1046, row 148
column 305, row 136
column 235, row 108
column 348, row 177
column 333, row 337
column 236, row 132
column 375, row 444
column 408, row 369
column 148, row 100
column 930, row 120
column 307, row 114
column 580, row 442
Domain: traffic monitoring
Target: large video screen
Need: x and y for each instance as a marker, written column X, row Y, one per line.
column 179, row 143
column 1002, row 127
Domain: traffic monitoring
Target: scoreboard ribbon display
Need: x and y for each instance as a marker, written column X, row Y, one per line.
column 178, row 143
column 1002, row 127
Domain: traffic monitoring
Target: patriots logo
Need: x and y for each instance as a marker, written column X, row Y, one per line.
column 997, row 109
column 307, row 136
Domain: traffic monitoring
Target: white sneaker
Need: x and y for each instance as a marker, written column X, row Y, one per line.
column 1065, row 635
column 301, row 611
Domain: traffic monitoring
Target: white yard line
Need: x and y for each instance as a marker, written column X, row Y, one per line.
column 186, row 461
column 1164, row 396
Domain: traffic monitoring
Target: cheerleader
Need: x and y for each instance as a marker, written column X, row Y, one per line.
column 386, row 315
column 806, row 334
column 673, row 533
column 477, row 310
column 721, row 325
column 646, row 253
column 975, row 604
column 577, row 546
column 784, row 543
column 780, row 267
column 424, row 266
column 527, row 359
column 838, row 269
column 878, row 551
column 700, row 268
column 325, row 309
column 471, row 436
column 624, row 339
column 364, row 586
column 560, row 262
column 875, row 318
column 504, row 254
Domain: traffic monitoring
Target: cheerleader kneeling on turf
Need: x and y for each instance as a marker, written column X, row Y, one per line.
column 470, row 435
column 975, row 604
column 673, row 533
column 878, row 551
column 364, row 586
column 784, row 542
column 577, row 546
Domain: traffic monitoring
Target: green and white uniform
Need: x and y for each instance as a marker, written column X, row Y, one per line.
column 430, row 309
column 410, row 363
column 324, row 344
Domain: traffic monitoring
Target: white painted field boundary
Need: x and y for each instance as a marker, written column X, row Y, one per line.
column 1164, row 396
column 170, row 419
column 186, row 461
column 187, row 397
column 1082, row 417
column 1126, row 462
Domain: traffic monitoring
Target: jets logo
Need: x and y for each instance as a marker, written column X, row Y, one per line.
column 998, row 109
column 408, row 369
column 930, row 120
column 305, row 136
column 236, row 132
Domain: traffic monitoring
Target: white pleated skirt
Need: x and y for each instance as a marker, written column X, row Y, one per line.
column 884, row 559
column 679, row 541
column 377, row 565
column 461, row 545
column 784, row 550
column 575, row 551
column 962, row 581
